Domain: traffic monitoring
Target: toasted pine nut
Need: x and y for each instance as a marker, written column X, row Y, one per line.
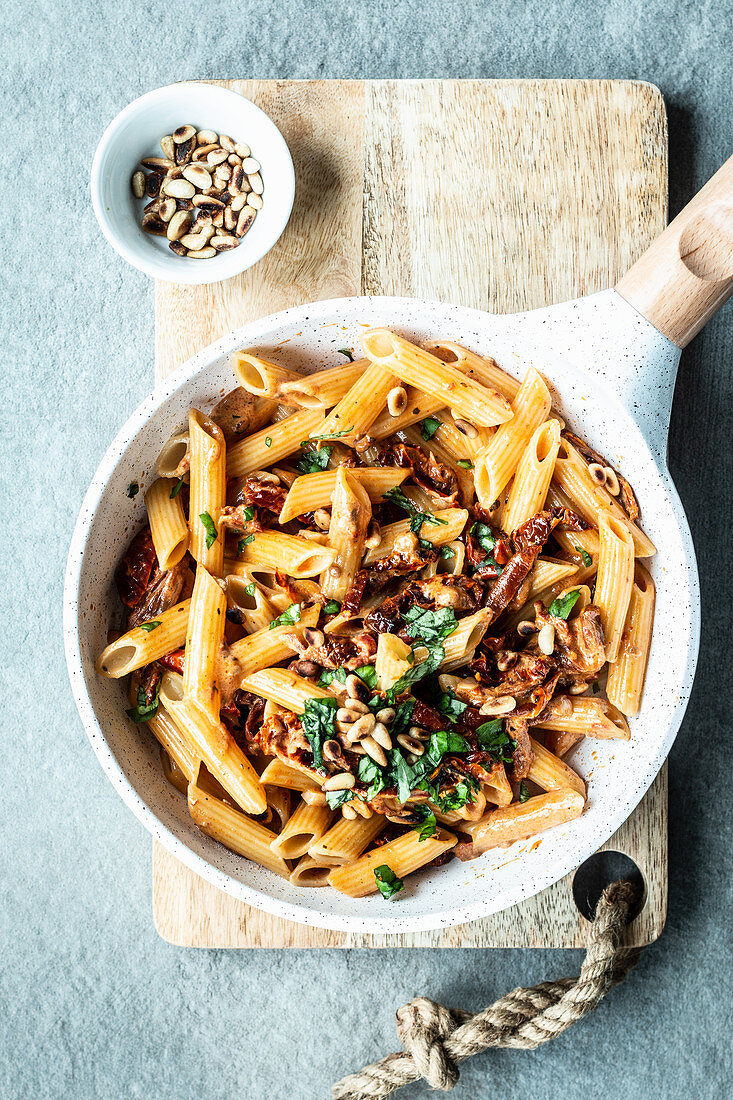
column 255, row 182
column 506, row 659
column 242, row 150
column 597, row 472
column 138, row 184
column 168, row 146
column 546, row 639
column 207, row 137
column 417, row 733
column 563, row 706
column 250, row 165
column 525, row 628
column 362, row 727
column 410, row 744
column 230, row 220
column 504, row 704
column 167, row 209
column 183, row 133
column 356, row 687
column 223, row 242
column 467, row 429
column 314, row 798
column 237, row 203
column 322, row 518
column 246, row 218
column 226, row 143
column 380, row 733
column 396, row 400
column 202, row 254
column 347, row 715
column 216, row 156
column 177, row 247
column 344, row 781
column 197, row 175
column 152, row 224
column 577, row 689
column 374, row 750
column 255, row 201
column 386, row 715
column 313, row 636
column 612, row 481
column 348, row 811
column 179, row 189
column 193, row 241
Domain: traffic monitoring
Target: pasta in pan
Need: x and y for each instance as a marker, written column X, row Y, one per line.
column 366, row 632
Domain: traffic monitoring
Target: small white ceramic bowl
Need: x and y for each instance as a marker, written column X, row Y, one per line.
column 136, row 133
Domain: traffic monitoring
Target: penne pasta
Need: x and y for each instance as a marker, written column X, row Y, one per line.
column 346, row 840
column 626, row 676
column 403, row 856
column 550, row 773
column 459, row 646
column 496, row 464
column 452, row 522
column 311, row 491
column 292, row 778
column 351, row 512
column 419, row 368
column 533, row 476
column 168, row 526
column 615, row 579
column 285, row 688
column 268, row 646
column 483, row 368
column 261, row 449
column 360, row 407
column 304, row 828
column 295, row 556
column 204, row 638
column 584, row 716
column 146, row 643
column 521, row 820
column 324, row 388
column 207, row 491
column 309, row 873
column 260, row 377
column 392, row 661
column 235, row 830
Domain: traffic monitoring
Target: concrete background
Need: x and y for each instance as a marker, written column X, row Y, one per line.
column 92, row 1003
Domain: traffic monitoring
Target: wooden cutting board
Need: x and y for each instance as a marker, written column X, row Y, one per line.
column 502, row 195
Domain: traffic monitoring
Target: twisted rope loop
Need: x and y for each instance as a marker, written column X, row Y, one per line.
column 436, row 1038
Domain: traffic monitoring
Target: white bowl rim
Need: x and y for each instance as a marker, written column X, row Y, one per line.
column 293, row 912
column 190, row 275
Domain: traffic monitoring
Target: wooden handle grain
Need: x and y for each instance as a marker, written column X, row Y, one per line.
column 687, row 274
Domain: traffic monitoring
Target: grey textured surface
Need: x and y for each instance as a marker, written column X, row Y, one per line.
column 92, row 1003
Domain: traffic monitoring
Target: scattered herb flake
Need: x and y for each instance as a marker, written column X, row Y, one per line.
column 244, row 542
column 133, row 489
column 429, row 823
column 314, row 461
column 317, row 724
column 251, row 589
column 347, row 353
column 429, row 427
column 144, row 711
column 430, row 626
column 268, row 440
column 563, row 605
column 417, row 516
column 331, row 607
column 147, row 627
column 443, row 742
column 289, row 617
column 450, row 706
column 523, row 791
column 447, row 552
column 176, row 488
column 335, row 799
column 387, row 882
column 584, row 555
column 329, row 435
column 465, row 464
column 210, row 528
column 418, row 672
column 493, row 740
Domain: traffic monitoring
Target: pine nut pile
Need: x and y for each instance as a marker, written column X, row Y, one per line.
column 204, row 192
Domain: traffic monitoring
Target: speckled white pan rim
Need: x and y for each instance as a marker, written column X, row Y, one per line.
column 542, row 875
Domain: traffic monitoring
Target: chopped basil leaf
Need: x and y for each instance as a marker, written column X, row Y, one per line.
column 523, row 791
column 563, row 605
column 484, row 537
column 144, row 711
column 249, row 512
column 330, row 674
column 403, row 775
column 370, row 772
column 133, row 489
column 314, row 461
column 289, row 617
column 317, row 725
column 244, row 542
column 418, row 672
column 464, row 464
column 338, row 798
column 450, row 706
column 251, row 589
column 493, row 740
column 430, row 626
column 584, row 555
column 176, row 488
column 402, row 719
column 347, row 353
column 417, row 516
column 368, row 674
column 447, row 552
column 444, row 742
column 210, row 528
column 147, row 627
column 458, row 798
column 429, row 427
column 329, row 435
column 428, row 824
column 268, row 440
column 331, row 607
column 387, row 882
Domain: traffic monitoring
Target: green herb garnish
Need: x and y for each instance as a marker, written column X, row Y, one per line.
column 289, row 617
column 367, row 673
column 418, row 672
column 429, row 427
column 447, row 552
column 133, row 489
column 331, row 607
column 347, row 353
column 458, row 798
column 268, row 440
column 147, row 627
column 584, row 555
column 417, row 516
column 523, row 791
column 244, row 542
column 563, row 605
column 210, row 528
column 144, row 711
column 176, row 488
column 317, row 724
column 430, row 626
column 370, row 772
column 251, row 589
column 335, row 799
column 428, row 825
column 443, row 742
column 314, row 461
column 493, row 740
column 450, row 706
column 464, row 464
column 387, row 882
column 330, row 435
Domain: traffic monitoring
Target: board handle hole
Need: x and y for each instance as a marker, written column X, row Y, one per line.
column 598, row 872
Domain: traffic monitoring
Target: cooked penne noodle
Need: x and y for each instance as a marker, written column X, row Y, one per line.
column 207, row 491
column 204, row 638
column 483, row 368
column 498, row 789
column 311, row 491
column 532, row 477
column 260, row 377
column 453, row 522
column 175, row 744
column 292, row 778
column 346, row 840
column 168, row 525
column 586, row 716
column 268, row 647
column 305, row 827
column 141, row 646
column 546, row 573
column 173, row 773
column 418, row 406
column 295, row 556
column 309, row 873
column 460, row 645
column 285, row 688
column 550, row 773
column 393, row 659
column 246, row 594
column 351, row 511
column 496, row 464
column 464, row 477
column 173, row 460
column 324, row 388
column 626, row 677
column 591, row 500
column 615, row 579
column 359, row 408
column 521, row 820
column 403, row 856
column 261, row 449
column 235, row 830
column 419, row 368
column 214, row 744
column 280, row 804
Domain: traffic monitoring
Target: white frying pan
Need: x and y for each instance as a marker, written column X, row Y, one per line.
column 612, row 358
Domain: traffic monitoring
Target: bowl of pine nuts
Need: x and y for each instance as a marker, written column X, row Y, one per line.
column 192, row 183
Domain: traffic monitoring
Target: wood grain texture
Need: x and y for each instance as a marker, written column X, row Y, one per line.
column 502, row 195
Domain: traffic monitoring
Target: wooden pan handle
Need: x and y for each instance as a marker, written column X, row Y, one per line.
column 687, row 274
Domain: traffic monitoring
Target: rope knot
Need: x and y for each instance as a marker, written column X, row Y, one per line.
column 422, row 1025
